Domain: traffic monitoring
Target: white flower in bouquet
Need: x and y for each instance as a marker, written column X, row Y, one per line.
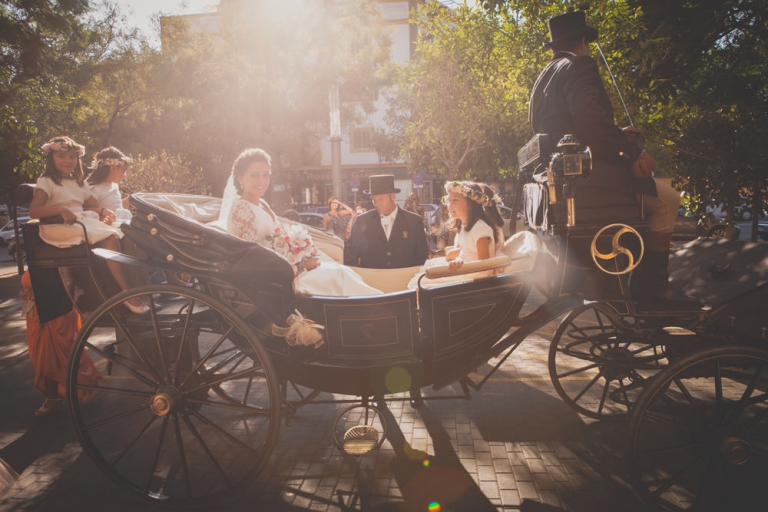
column 294, row 243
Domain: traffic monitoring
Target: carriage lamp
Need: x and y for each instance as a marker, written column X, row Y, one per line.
column 572, row 159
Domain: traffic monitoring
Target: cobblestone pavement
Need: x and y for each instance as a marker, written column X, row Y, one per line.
column 514, row 446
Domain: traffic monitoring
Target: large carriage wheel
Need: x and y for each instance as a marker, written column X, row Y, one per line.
column 187, row 407
column 699, row 435
column 599, row 366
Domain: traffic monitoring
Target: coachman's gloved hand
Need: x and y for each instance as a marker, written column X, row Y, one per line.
column 644, row 166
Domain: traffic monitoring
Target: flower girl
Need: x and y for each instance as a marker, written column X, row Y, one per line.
column 62, row 190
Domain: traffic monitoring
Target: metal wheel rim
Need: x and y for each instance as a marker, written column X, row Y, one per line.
column 687, row 446
column 177, row 408
column 599, row 387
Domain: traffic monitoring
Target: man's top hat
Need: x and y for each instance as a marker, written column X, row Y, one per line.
column 382, row 184
column 569, row 26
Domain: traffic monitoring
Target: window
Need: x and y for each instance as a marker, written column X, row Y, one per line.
column 361, row 140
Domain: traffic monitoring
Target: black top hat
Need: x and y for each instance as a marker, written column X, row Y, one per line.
column 569, row 26
column 382, row 184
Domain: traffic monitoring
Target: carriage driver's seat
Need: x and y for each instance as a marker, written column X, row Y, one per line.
column 550, row 172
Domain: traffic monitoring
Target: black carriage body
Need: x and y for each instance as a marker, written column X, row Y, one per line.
column 384, row 345
column 372, row 345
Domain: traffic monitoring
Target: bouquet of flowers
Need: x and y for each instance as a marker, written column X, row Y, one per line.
column 294, row 243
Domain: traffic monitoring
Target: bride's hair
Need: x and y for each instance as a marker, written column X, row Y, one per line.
column 244, row 160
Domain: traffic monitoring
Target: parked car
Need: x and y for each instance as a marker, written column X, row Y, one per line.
column 312, row 219
column 762, row 230
column 7, row 232
column 687, row 228
column 742, row 211
column 12, row 249
column 322, row 210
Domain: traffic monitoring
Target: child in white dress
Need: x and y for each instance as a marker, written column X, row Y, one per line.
column 107, row 171
column 62, row 190
column 479, row 229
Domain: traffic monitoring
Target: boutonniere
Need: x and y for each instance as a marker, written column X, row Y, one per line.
column 405, row 234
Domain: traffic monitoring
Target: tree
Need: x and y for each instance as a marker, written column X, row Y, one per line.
column 41, row 41
column 261, row 80
column 454, row 104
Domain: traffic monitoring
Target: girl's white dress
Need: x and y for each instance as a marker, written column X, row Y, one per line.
column 466, row 241
column 71, row 195
column 257, row 224
column 108, row 196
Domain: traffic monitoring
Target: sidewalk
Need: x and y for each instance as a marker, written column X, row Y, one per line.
column 514, row 446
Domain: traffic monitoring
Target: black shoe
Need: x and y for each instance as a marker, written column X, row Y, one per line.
column 416, row 399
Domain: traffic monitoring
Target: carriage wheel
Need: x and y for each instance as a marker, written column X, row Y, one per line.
column 598, row 366
column 191, row 408
column 699, row 434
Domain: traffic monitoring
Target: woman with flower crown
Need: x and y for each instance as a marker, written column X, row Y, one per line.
column 478, row 225
column 249, row 217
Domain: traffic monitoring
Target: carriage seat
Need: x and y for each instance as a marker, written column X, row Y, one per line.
column 522, row 249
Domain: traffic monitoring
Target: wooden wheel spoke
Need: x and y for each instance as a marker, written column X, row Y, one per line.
column 745, row 397
column 668, row 449
column 224, row 433
column 225, row 378
column 604, row 395
column 133, row 441
column 116, row 360
column 184, row 336
column 586, row 388
column 124, row 414
column 669, row 482
column 577, row 370
column 134, row 346
column 257, row 411
column 158, row 339
column 205, row 447
column 209, row 354
column 160, row 440
column 119, row 391
column 182, row 453
column 667, row 421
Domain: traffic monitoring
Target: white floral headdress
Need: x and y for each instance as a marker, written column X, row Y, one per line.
column 125, row 160
column 475, row 194
column 64, row 146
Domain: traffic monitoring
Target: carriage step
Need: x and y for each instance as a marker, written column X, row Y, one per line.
column 360, row 440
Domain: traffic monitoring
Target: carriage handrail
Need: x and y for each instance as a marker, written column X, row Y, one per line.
column 469, row 267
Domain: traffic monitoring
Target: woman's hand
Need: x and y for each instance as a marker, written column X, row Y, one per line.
column 451, row 253
column 68, row 215
column 311, row 263
column 107, row 216
column 455, row 264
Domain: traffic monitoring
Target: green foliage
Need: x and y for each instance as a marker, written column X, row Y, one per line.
column 164, row 173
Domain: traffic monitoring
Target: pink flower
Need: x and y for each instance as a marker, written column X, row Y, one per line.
column 295, row 249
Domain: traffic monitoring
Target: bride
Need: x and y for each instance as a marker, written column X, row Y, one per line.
column 249, row 217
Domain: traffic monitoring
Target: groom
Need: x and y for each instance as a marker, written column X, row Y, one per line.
column 387, row 237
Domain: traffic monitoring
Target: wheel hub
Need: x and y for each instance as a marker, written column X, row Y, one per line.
column 735, row 450
column 615, row 362
column 165, row 401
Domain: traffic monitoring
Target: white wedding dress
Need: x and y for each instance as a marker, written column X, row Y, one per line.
column 258, row 224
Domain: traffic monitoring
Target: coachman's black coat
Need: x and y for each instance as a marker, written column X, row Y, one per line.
column 569, row 98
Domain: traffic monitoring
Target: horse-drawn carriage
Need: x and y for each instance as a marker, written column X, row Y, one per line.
column 193, row 392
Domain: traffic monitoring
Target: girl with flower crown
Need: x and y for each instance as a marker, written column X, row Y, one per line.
column 479, row 228
column 476, row 219
column 107, row 171
column 249, row 217
column 62, row 190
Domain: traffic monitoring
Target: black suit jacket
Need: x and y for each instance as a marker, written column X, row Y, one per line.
column 368, row 246
column 569, row 98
